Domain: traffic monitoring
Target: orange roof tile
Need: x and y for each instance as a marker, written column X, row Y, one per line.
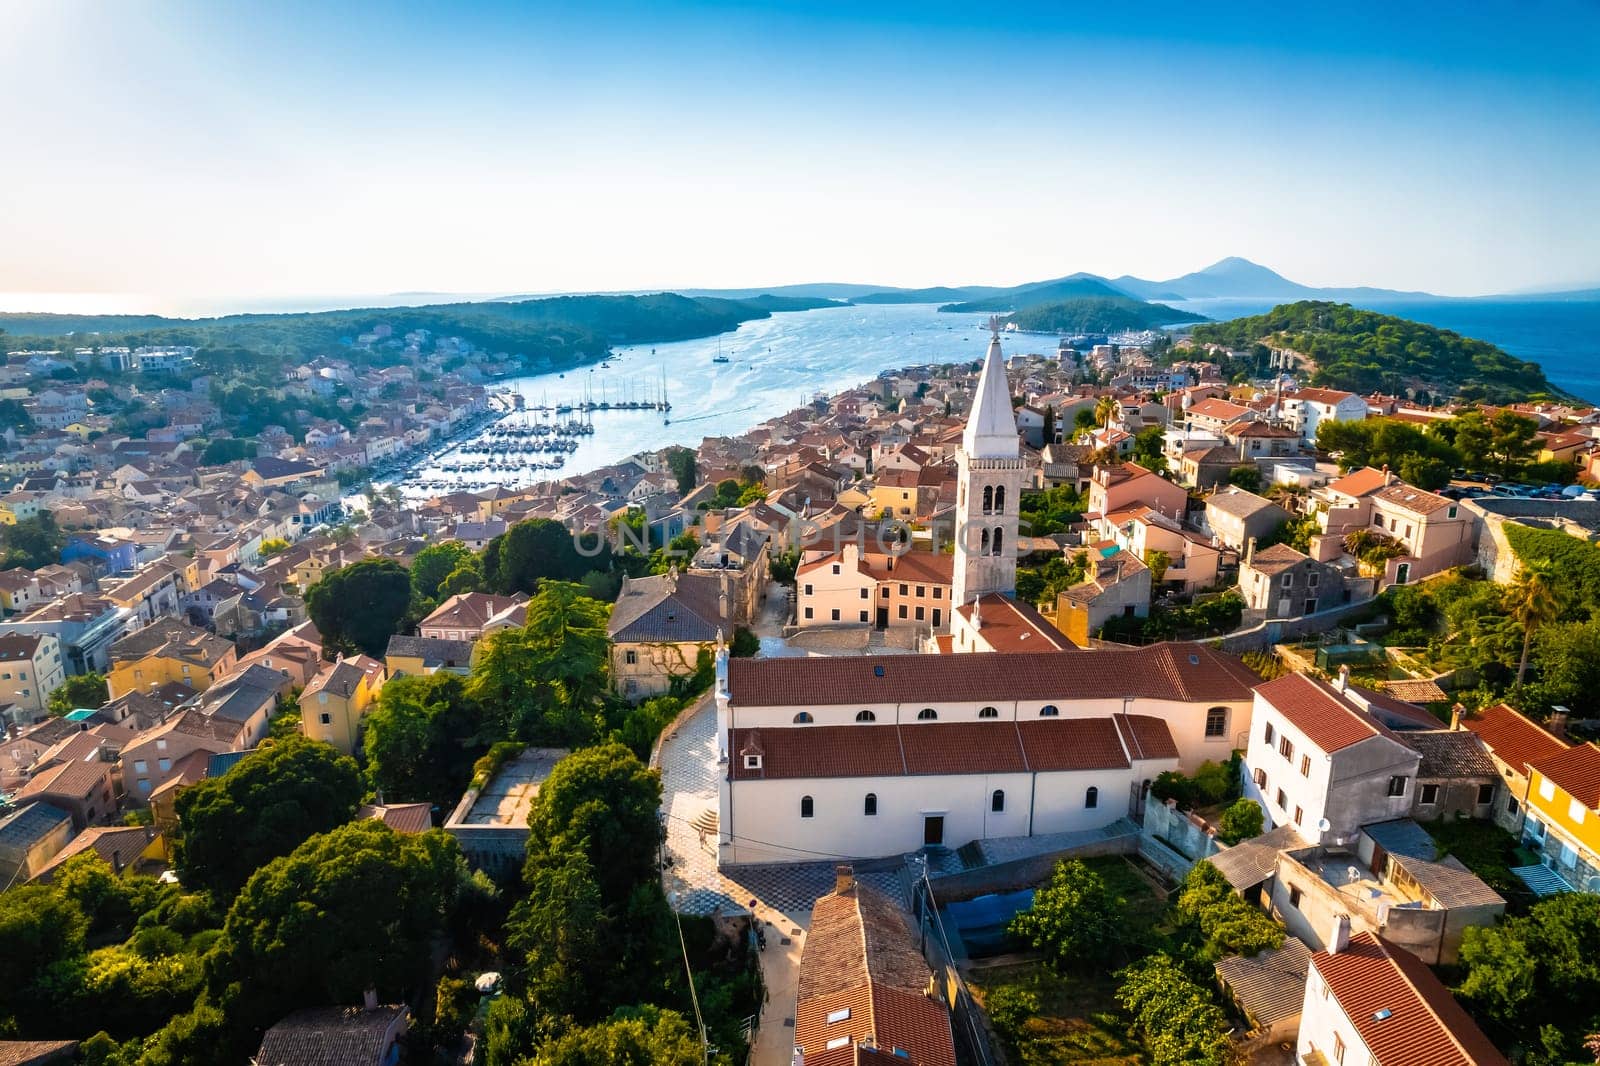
column 1403, row 1013
column 1513, row 738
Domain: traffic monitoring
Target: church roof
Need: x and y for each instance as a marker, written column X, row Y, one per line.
column 991, row 431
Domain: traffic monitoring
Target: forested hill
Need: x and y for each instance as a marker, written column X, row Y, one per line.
column 1097, row 314
column 566, row 329
column 1364, row 351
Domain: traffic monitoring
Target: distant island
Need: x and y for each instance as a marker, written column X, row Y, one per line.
column 1363, row 352
column 559, row 331
column 1097, row 314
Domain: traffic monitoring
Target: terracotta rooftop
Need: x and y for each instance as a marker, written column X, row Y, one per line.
column 937, row 748
column 1403, row 1013
column 863, row 978
column 1359, row 483
column 1315, row 708
column 1276, row 559
column 1179, row 671
column 401, row 817
column 1576, row 771
column 1413, row 499
column 1328, row 396
column 1013, row 626
column 1514, row 739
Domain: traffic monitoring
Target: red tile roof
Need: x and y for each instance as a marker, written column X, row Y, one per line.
column 1315, row 709
column 1011, row 626
column 1361, row 482
column 1423, row 1023
column 1183, row 672
column 1000, row 747
column 1513, row 739
column 1576, row 771
column 861, row 957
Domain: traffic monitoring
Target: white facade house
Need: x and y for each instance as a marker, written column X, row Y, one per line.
column 1307, row 409
column 1321, row 756
column 1369, row 1003
column 861, row 757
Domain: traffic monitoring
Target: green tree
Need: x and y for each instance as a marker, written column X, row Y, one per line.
column 1241, row 821
column 434, row 564
column 601, row 801
column 357, row 608
column 272, row 547
column 547, row 679
column 468, row 577
column 1217, row 921
column 681, row 462
column 79, row 690
column 42, row 935
column 1147, row 449
column 539, row 549
column 264, row 807
column 1075, row 920
column 1247, row 477
column 32, row 542
column 1178, row 1021
column 640, row 1037
column 423, row 738
column 1534, row 600
column 1158, row 561
column 354, row 908
column 1536, row 977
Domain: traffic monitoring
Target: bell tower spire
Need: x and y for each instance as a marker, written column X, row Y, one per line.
column 990, row 469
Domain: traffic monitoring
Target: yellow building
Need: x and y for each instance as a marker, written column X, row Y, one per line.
column 1563, row 818
column 333, row 705
column 169, row 650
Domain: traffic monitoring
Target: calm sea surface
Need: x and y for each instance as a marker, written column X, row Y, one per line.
column 780, row 363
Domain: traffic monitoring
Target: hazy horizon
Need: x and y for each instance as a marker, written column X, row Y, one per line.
column 182, row 154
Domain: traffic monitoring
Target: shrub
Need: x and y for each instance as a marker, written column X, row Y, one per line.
column 1241, row 821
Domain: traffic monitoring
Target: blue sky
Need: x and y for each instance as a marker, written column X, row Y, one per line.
column 179, row 152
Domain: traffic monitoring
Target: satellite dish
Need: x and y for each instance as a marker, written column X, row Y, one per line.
column 1323, row 825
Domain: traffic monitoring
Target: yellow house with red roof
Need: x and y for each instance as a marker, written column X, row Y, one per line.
column 1563, row 821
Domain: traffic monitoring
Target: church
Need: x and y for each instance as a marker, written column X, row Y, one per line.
column 1014, row 733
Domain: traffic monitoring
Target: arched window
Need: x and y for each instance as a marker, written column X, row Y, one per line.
column 997, row 802
column 1091, row 798
column 870, row 807
column 1049, row 710
column 988, row 499
column 866, row 716
column 1000, row 499
column 999, row 535
column 927, row 714
column 989, row 712
column 807, row 808
column 983, row 543
column 803, row 718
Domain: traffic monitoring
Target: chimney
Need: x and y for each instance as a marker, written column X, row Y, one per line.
column 844, row 879
column 1388, row 478
column 369, row 998
column 1557, row 722
column 1340, row 940
column 1343, row 683
column 1249, row 550
column 1455, row 717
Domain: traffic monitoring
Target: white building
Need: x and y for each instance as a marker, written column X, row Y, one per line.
column 1306, row 409
column 1368, row 1003
column 1324, row 758
column 864, row 757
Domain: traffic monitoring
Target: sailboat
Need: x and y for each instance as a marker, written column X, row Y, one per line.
column 720, row 358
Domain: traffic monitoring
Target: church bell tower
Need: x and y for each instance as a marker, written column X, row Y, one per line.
column 990, row 471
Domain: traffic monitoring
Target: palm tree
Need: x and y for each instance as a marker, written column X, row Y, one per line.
column 1534, row 601
column 1106, row 408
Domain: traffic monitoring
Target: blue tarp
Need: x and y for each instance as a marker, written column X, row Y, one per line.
column 982, row 921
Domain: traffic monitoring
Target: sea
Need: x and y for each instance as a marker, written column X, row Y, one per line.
column 777, row 364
